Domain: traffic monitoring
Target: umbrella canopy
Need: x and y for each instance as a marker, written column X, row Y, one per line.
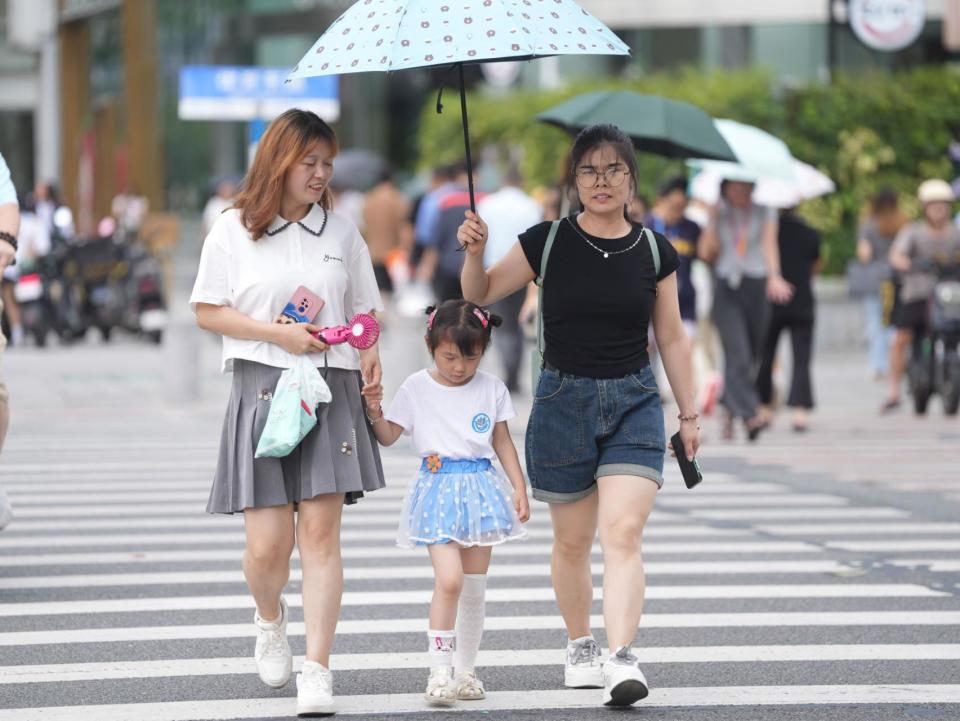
column 657, row 125
column 386, row 35
column 760, row 154
column 358, row 169
column 808, row 183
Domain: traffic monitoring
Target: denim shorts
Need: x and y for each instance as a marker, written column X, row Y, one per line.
column 582, row 429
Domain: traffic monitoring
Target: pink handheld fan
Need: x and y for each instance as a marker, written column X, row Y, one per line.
column 361, row 333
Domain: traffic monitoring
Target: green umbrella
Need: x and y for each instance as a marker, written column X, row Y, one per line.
column 657, row 125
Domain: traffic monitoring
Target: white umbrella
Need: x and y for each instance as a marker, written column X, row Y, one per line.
column 761, row 154
column 807, row 183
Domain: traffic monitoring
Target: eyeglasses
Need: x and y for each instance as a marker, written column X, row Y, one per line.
column 588, row 177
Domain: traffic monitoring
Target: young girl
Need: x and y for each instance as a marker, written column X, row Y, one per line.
column 283, row 233
column 458, row 506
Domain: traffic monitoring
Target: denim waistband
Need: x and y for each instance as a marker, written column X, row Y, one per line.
column 554, row 369
column 455, row 465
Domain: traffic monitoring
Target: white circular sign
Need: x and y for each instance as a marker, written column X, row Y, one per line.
column 887, row 24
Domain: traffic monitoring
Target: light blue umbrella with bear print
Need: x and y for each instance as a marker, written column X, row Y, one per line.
column 389, row 35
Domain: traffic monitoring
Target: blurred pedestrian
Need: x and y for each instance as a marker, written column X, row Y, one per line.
column 9, row 230
column 278, row 236
column 799, row 246
column 129, row 208
column 871, row 278
column 741, row 242
column 220, row 201
column 33, row 244
column 386, row 213
column 442, row 259
column 639, row 208
column 595, row 440
column 668, row 217
column 46, row 200
column 510, row 211
column 427, row 208
column 913, row 255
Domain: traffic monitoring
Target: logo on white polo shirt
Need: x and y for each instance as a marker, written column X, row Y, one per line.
column 328, row 258
column 481, row 423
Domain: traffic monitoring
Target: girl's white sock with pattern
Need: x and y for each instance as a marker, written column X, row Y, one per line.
column 441, row 645
column 470, row 616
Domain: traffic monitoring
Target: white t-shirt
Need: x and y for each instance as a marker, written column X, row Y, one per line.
column 508, row 213
column 451, row 421
column 257, row 278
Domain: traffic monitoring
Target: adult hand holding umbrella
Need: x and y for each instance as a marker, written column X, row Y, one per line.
column 388, row 35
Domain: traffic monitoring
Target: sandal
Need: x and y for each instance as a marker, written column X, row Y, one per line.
column 441, row 690
column 469, row 687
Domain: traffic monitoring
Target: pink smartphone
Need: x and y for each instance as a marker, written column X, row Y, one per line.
column 303, row 307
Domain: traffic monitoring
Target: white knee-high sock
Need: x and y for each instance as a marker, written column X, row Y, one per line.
column 440, row 646
column 470, row 616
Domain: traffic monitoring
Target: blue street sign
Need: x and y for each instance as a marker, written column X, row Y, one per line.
column 231, row 92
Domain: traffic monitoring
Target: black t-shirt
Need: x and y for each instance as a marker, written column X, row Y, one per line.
column 799, row 252
column 596, row 310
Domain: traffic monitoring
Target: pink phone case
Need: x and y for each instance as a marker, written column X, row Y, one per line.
column 303, row 307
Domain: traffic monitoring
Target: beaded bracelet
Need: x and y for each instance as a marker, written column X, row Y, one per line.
column 693, row 417
column 374, row 420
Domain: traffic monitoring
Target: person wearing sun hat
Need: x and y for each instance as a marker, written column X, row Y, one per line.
column 917, row 245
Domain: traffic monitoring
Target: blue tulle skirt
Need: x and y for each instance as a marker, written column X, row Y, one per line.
column 461, row 501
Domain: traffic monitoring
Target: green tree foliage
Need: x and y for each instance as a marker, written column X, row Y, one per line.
column 866, row 131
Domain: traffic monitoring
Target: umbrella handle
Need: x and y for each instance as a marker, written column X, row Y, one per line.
column 466, row 137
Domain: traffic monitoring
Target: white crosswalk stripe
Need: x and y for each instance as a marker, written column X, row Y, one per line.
column 102, row 585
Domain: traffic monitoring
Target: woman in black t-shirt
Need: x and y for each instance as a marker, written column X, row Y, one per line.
column 596, row 439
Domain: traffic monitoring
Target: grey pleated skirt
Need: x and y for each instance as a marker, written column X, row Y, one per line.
column 340, row 455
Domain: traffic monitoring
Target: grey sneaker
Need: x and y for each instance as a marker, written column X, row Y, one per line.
column 582, row 669
column 623, row 682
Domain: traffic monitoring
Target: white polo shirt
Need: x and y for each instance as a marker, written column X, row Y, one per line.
column 257, row 278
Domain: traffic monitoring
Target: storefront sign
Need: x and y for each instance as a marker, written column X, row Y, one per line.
column 228, row 92
column 887, row 25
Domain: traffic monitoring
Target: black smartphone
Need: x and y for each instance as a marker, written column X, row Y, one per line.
column 690, row 469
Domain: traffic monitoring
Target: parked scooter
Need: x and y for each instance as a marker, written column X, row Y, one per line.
column 146, row 311
column 31, row 291
column 935, row 361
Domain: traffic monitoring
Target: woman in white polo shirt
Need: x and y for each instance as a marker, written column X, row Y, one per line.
column 283, row 233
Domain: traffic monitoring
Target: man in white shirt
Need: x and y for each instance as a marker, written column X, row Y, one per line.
column 508, row 212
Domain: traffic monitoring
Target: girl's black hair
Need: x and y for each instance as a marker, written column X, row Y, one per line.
column 455, row 321
column 594, row 136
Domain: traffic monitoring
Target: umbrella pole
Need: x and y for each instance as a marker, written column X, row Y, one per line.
column 466, row 136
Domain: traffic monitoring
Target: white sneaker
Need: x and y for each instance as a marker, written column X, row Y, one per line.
column 623, row 682
column 314, row 691
column 441, row 688
column 273, row 656
column 582, row 669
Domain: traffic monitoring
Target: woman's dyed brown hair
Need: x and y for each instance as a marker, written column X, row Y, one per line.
column 285, row 142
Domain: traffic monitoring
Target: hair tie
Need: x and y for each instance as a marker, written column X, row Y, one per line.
column 484, row 320
column 430, row 319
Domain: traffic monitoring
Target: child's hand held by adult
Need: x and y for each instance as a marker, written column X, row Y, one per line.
column 522, row 505
column 372, row 395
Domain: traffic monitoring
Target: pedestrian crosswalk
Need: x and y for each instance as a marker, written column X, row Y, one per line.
column 121, row 599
